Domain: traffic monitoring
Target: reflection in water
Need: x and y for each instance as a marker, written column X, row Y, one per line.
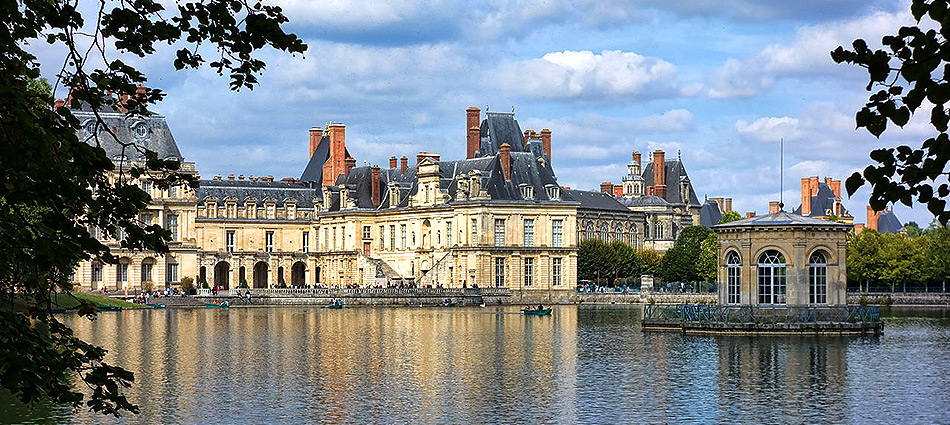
column 471, row 365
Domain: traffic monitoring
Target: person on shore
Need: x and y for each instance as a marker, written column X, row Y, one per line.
column 247, row 296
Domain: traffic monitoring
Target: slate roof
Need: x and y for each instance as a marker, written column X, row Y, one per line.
column 498, row 128
column 313, row 172
column 781, row 218
column 822, row 202
column 709, row 214
column 304, row 193
column 593, row 200
column 675, row 171
column 149, row 132
column 888, row 222
column 645, row 201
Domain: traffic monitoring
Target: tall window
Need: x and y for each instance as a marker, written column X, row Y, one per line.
column 732, row 277
column 172, row 191
column 229, row 240
column 772, row 278
column 382, row 238
column 556, row 271
column 557, row 233
column 529, row 232
column 305, row 242
column 147, row 270
column 818, row 278
column 172, row 225
column 366, row 233
column 147, row 187
column 145, row 218
column 333, row 231
column 171, row 273
column 499, row 271
column 499, row 232
column 96, row 272
column 448, row 234
column 122, row 272
column 528, row 271
column 392, row 237
column 402, row 235
column 326, row 237
column 271, row 211
column 269, row 241
column 474, row 231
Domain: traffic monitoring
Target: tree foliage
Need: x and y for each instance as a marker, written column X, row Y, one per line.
column 729, row 216
column 693, row 257
column 888, row 259
column 54, row 186
column 913, row 67
column 597, row 259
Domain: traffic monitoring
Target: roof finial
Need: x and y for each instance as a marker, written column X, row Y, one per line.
column 512, row 109
column 679, row 155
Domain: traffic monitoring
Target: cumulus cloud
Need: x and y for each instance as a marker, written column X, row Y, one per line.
column 759, row 10
column 769, row 129
column 584, row 75
column 669, row 121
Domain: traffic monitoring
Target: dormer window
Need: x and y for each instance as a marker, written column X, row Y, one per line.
column 554, row 192
column 527, row 192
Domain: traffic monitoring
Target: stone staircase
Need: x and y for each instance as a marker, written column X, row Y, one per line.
column 384, row 272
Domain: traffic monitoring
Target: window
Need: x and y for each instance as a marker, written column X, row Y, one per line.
column 95, row 233
column 771, row 278
column 333, row 232
column 528, row 271
column 145, row 218
column 120, row 233
column 604, row 232
column 171, row 273
column 382, row 238
column 147, row 270
column 305, row 242
column 392, row 237
column 733, row 278
column 818, row 278
column 326, row 236
column 269, row 241
column 172, row 225
column 96, row 272
column 271, row 208
column 499, row 271
column 556, row 271
column 229, row 241
column 448, row 233
column 147, row 187
column 500, row 232
column 529, row 232
column 527, row 192
column 172, row 191
column 557, row 233
column 366, row 233
column 474, row 231
column 291, row 211
column 402, row 235
column 122, row 272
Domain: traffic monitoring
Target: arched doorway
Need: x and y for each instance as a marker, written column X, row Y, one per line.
column 242, row 276
column 316, row 275
column 260, row 275
column 297, row 272
column 222, row 270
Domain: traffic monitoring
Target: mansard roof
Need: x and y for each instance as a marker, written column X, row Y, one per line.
column 303, row 193
column 313, row 172
column 594, row 200
column 498, row 128
column 149, row 132
column 709, row 214
column 675, row 172
column 822, row 202
column 645, row 201
column 888, row 222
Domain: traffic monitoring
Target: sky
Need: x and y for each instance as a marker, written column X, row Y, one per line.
column 719, row 83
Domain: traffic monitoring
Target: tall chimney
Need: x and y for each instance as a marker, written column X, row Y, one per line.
column 316, row 133
column 813, row 185
column 727, row 205
column 836, row 187
column 546, row 142
column 403, row 164
column 750, row 214
column 349, row 163
column 527, row 137
column 505, row 154
column 374, row 174
column 607, row 187
column 473, row 116
column 806, row 196
column 336, row 159
column 872, row 218
column 773, row 207
column 392, row 162
column 636, row 158
column 659, row 173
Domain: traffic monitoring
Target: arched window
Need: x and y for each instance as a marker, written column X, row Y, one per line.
column 772, row 277
column 604, row 232
column 733, row 278
column 818, row 278
column 618, row 232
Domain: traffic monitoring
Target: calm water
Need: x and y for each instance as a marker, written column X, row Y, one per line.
column 480, row 365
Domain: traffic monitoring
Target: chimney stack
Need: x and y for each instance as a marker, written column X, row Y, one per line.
column 659, row 173
column 349, row 163
column 607, row 187
column 230, row 176
column 872, row 218
column 505, row 155
column 546, row 142
column 374, row 172
column 392, row 162
column 813, row 185
column 241, row 177
column 727, row 205
column 473, row 116
column 773, row 207
column 336, row 160
column 836, row 187
column 806, row 196
column 636, row 158
column 59, row 103
column 527, row 137
column 750, row 214
column 316, row 133
column 403, row 164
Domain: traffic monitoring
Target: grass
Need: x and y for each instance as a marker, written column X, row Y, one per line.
column 66, row 302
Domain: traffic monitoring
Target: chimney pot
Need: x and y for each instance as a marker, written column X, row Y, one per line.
column 473, row 137
column 659, row 173
column 230, row 176
column 374, row 177
column 750, row 214
column 546, row 142
column 505, row 156
column 773, row 207
column 403, row 164
column 392, row 162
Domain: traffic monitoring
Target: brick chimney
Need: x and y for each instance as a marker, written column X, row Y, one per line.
column 773, row 207
column 505, row 156
column 473, row 116
column 607, row 187
column 348, row 165
column 636, row 158
column 316, row 133
column 403, row 164
column 727, row 205
column 872, row 218
column 336, row 160
column 392, row 162
column 546, row 142
column 618, row 191
column 813, row 185
column 750, row 214
column 230, row 176
column 374, row 181
column 659, row 173
column 806, row 196
column 836, row 187
column 527, row 137
column 59, row 103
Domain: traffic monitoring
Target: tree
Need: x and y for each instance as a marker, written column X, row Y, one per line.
column 684, row 262
column 596, row 260
column 54, row 187
column 627, row 261
column 917, row 60
column 936, row 255
column 649, row 262
column 913, row 230
column 729, row 216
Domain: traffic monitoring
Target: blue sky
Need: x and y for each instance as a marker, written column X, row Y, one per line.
column 722, row 82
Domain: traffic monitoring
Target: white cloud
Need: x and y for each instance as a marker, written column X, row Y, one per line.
column 584, row 74
column 769, row 129
column 669, row 121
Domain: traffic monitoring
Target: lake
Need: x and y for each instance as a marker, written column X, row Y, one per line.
column 583, row 364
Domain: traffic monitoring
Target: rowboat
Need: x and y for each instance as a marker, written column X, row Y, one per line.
column 449, row 304
column 157, row 305
column 536, row 312
column 212, row 305
column 335, row 306
column 109, row 308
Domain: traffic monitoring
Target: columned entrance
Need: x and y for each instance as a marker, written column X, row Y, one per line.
column 297, row 273
column 260, row 275
column 222, row 270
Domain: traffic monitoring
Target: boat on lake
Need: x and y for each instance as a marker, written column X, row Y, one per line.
column 157, row 305
column 215, row 305
column 536, row 311
column 335, row 306
column 109, row 308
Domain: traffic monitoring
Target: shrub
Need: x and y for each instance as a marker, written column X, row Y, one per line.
column 187, row 283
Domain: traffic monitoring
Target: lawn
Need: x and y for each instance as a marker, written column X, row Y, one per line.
column 66, row 302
